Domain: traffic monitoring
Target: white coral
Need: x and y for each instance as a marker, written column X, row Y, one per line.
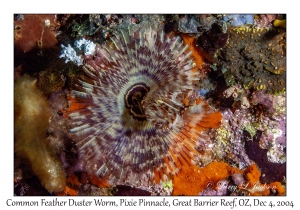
column 86, row 45
column 70, row 55
column 81, row 45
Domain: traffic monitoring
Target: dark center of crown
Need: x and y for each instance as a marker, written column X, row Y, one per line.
column 133, row 99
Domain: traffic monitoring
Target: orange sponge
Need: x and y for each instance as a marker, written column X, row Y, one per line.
column 193, row 180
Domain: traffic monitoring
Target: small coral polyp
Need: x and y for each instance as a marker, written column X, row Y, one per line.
column 140, row 119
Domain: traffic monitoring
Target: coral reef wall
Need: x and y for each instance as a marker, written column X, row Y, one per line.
column 110, row 104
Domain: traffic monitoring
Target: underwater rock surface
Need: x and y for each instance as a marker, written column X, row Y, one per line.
column 150, row 104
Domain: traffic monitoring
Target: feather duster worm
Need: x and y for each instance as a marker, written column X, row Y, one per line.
column 137, row 117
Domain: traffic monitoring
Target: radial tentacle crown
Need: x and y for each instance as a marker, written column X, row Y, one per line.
column 138, row 115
